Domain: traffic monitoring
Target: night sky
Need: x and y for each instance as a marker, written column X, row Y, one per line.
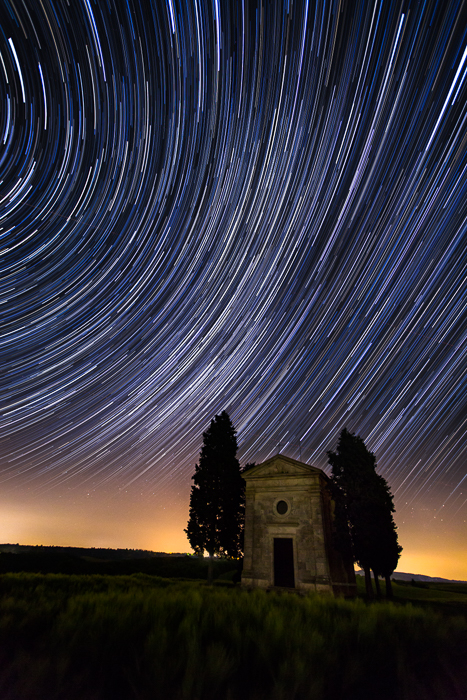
column 252, row 207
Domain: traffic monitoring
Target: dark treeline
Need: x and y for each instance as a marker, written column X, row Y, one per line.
column 75, row 560
column 94, row 552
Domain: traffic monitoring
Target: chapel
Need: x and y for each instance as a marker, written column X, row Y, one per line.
column 288, row 530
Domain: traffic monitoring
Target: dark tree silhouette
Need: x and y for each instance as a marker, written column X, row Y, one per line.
column 364, row 505
column 217, row 502
column 388, row 550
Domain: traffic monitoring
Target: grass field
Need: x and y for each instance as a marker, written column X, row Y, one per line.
column 446, row 598
column 145, row 637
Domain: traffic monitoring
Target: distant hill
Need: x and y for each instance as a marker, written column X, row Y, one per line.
column 90, row 560
column 401, row 576
column 93, row 552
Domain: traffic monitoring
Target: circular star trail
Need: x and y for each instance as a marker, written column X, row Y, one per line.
column 257, row 207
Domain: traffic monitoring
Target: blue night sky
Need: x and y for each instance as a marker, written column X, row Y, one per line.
column 252, row 207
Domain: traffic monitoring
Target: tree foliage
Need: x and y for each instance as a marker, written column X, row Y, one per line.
column 364, row 507
column 217, row 502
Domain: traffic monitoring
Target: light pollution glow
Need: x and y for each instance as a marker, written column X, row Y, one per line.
column 130, row 520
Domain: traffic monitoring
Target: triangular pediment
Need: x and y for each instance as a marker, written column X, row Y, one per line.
column 280, row 465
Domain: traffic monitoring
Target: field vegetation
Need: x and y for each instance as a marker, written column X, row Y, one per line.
column 445, row 598
column 98, row 637
column 50, row 560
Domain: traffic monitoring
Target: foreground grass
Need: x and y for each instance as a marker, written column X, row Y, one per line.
column 445, row 598
column 142, row 637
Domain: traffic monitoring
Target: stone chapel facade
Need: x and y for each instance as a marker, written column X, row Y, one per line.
column 288, row 530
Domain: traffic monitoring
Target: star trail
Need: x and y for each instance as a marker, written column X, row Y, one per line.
column 258, row 207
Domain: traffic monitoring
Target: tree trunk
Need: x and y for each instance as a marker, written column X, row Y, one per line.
column 389, row 593
column 368, row 586
column 377, row 586
column 210, row 568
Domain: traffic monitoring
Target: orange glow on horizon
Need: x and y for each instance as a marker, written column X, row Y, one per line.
column 448, row 564
column 130, row 521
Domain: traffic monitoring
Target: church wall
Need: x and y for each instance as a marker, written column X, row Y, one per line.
column 307, row 523
column 302, row 523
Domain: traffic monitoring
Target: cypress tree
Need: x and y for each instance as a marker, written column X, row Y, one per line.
column 386, row 554
column 217, row 505
column 364, row 507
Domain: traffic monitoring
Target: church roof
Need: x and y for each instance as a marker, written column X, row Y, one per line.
column 281, row 465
